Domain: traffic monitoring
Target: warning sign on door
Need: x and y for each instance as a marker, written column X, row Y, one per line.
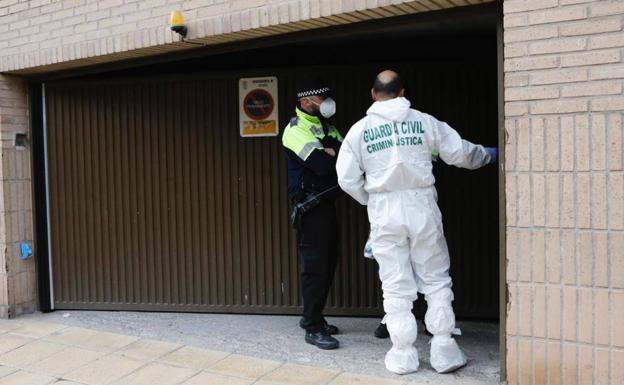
column 258, row 106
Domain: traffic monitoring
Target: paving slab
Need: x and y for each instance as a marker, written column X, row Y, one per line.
column 246, row 367
column 107, row 342
column 453, row 379
column 148, row 350
column 10, row 342
column 157, row 374
column 205, row 378
column 37, row 329
column 29, row 353
column 361, row 379
column 6, row 370
column 294, row 374
column 107, row 369
column 193, row 357
column 9, row 324
column 71, row 336
column 67, row 360
column 24, row 378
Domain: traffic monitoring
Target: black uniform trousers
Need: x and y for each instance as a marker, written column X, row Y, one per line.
column 317, row 242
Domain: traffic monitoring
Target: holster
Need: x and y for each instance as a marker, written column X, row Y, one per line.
column 302, row 203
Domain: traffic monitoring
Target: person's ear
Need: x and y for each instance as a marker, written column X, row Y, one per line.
column 402, row 93
column 373, row 95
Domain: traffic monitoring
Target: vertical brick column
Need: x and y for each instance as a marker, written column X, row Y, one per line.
column 17, row 276
column 565, row 191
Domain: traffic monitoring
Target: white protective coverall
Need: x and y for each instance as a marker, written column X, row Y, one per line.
column 385, row 162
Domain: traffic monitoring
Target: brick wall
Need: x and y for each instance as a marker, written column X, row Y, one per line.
column 38, row 33
column 565, row 191
column 17, row 276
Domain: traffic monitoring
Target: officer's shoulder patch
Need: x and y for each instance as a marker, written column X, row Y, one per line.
column 294, row 121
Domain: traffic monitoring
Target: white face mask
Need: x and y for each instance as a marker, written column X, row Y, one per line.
column 327, row 108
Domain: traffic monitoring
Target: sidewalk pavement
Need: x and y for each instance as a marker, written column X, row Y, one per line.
column 42, row 353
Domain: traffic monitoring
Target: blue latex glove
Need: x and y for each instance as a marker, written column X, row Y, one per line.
column 493, row 152
column 368, row 250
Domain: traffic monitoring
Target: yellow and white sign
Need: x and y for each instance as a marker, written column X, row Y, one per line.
column 258, row 106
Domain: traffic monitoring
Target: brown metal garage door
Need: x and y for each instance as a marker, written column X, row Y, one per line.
column 156, row 203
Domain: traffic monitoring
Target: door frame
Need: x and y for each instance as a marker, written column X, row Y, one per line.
column 436, row 20
column 502, row 199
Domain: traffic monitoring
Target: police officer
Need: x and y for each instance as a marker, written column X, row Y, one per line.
column 312, row 144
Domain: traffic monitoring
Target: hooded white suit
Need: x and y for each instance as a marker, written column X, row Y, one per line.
column 386, row 163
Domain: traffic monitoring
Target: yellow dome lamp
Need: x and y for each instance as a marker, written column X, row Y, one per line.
column 177, row 23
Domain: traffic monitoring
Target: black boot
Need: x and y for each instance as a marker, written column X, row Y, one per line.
column 330, row 329
column 321, row 340
column 382, row 331
column 425, row 329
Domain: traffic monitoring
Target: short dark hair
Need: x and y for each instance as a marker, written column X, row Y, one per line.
column 390, row 88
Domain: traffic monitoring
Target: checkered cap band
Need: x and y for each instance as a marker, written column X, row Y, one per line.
column 319, row 91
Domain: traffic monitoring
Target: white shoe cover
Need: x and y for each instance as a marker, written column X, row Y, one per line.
column 402, row 361
column 403, row 357
column 446, row 356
